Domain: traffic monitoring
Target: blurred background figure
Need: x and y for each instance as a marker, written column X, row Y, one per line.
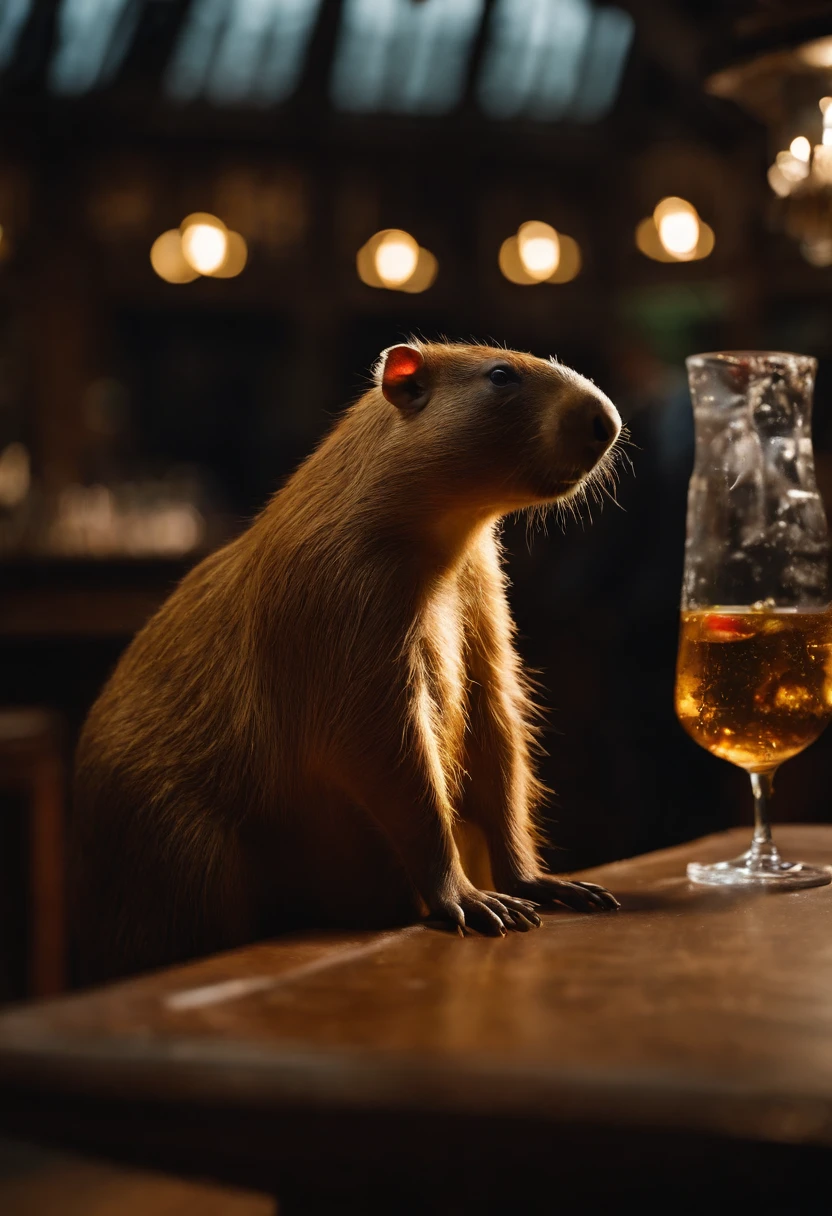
column 215, row 213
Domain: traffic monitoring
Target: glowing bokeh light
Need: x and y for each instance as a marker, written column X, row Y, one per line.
column 511, row 264
column 826, row 138
column 793, row 170
column 168, row 260
column 779, row 183
column 204, row 242
column 677, row 224
column 800, row 148
column 822, row 165
column 569, row 262
column 817, row 54
column 424, row 275
column 649, row 242
column 539, row 249
column 524, row 257
column 396, row 257
column 235, row 258
column 705, row 244
column 375, row 257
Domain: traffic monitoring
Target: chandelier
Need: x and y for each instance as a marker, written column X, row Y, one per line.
column 790, row 90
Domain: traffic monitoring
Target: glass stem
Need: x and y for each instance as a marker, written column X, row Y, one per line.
column 763, row 852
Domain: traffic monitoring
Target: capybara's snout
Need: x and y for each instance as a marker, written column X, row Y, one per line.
column 588, row 426
column 603, row 426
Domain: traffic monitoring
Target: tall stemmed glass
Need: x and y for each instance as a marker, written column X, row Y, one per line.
column 754, row 675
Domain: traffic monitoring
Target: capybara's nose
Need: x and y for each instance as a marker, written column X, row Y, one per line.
column 605, row 427
column 601, row 428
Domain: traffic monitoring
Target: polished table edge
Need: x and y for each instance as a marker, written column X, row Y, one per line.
column 38, row 1063
column 195, row 1074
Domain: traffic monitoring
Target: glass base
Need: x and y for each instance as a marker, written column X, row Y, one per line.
column 760, row 867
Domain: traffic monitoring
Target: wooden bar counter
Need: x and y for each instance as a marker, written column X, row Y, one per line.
column 676, row 1050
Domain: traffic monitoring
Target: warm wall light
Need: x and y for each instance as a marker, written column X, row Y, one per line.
column 204, row 242
column 423, row 276
column 235, row 258
column 202, row 245
column 393, row 259
column 677, row 224
column 511, row 263
column 525, row 267
column 539, row 249
column 570, row 262
column 647, row 241
column 396, row 257
column 705, row 244
column 661, row 244
column 168, row 261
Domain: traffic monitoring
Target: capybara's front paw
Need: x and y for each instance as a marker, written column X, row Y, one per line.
column 486, row 911
column 579, row 896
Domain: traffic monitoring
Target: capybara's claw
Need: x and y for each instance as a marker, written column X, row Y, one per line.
column 579, row 896
column 522, row 911
column 609, row 901
column 489, row 912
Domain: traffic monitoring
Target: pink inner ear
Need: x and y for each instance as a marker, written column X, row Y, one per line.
column 401, row 362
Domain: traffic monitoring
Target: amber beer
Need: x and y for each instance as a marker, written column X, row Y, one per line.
column 754, row 687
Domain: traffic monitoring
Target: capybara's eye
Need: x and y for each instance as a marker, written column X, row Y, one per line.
column 501, row 376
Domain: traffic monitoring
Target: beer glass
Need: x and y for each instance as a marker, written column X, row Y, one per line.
column 754, row 672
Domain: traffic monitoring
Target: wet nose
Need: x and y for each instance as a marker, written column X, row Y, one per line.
column 600, row 428
column 604, row 427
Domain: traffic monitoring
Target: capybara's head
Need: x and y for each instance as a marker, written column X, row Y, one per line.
column 496, row 428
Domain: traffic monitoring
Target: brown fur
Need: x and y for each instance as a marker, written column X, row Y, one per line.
column 292, row 738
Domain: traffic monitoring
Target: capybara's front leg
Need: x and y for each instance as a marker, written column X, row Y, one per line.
column 500, row 797
column 502, row 792
column 405, row 795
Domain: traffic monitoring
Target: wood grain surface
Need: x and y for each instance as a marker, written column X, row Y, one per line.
column 698, row 1011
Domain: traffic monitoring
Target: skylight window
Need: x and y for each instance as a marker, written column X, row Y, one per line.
column 612, row 34
column 242, row 50
column 553, row 59
column 543, row 59
column 404, row 58
column 93, row 37
column 13, row 15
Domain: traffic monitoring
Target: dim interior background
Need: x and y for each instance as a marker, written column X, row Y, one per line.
column 142, row 421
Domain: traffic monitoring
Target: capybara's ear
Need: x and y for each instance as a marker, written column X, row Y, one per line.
column 403, row 379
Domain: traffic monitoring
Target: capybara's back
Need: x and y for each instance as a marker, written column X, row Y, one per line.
column 160, row 782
